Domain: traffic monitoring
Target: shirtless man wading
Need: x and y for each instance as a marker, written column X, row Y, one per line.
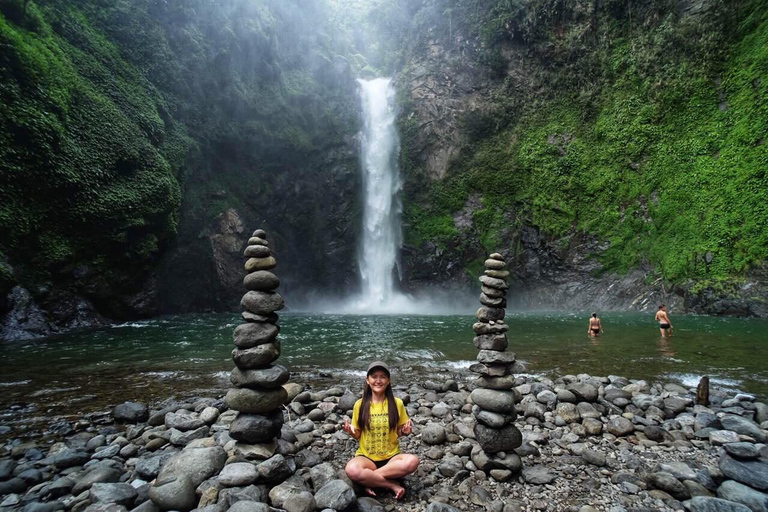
column 665, row 326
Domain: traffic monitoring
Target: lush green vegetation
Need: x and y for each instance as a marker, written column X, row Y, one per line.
column 648, row 132
column 112, row 111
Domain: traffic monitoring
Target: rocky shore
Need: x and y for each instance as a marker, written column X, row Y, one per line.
column 588, row 443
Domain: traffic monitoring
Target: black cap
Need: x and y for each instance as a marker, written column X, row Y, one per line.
column 377, row 364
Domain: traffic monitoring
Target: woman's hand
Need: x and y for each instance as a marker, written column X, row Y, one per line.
column 407, row 428
column 349, row 428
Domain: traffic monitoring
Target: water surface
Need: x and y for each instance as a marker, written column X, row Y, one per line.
column 187, row 355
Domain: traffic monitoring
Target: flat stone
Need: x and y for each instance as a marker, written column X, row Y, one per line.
column 619, row 426
column 492, row 419
column 734, row 491
column 496, row 342
column 174, row 492
column 272, row 376
column 584, row 392
column 494, row 401
column 493, row 282
column 669, row 484
column 487, row 328
column 251, row 334
column 118, row 493
column 539, row 475
column 705, row 504
column 503, row 383
column 262, row 303
column 494, row 264
column 258, row 239
column 490, row 370
column 256, row 451
column 257, row 251
column 486, row 314
column 183, row 421
column 494, row 302
column 742, row 426
column 131, row 412
column 261, row 280
column 255, row 402
column 753, row 473
column 254, row 264
column 272, row 318
column 238, row 474
column 493, row 292
column 495, row 357
column 718, row 437
column 743, row 451
column 256, row 357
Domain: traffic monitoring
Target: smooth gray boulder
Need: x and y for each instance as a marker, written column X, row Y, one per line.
column 704, row 504
column 734, row 491
column 336, row 495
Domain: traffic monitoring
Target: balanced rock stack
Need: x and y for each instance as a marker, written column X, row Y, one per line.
column 494, row 396
column 258, row 393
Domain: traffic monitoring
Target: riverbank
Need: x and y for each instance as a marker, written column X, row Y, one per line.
column 602, row 442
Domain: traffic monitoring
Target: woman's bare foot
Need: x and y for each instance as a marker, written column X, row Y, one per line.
column 399, row 492
column 370, row 492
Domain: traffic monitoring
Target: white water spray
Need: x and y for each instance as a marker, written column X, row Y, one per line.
column 378, row 257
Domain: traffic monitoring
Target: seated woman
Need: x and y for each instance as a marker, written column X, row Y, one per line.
column 378, row 420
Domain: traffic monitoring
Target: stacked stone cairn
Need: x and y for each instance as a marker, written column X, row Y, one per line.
column 494, row 396
column 258, row 392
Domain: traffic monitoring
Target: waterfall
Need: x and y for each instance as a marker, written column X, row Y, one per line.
column 378, row 256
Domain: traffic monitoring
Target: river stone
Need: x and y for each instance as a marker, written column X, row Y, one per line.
column 131, row 412
column 255, row 402
column 254, row 264
column 706, row 504
column 259, row 237
column 495, row 357
column 492, row 301
column 174, row 492
column 441, row 507
column 492, row 292
column 619, row 426
column 433, row 434
column 101, row 474
column 276, row 469
column 743, row 451
column 742, row 426
column 502, row 383
column 238, row 474
column 679, row 470
column 587, row 410
column 612, row 394
column 568, row 411
column 304, row 502
column 498, row 274
column 539, row 475
column 256, row 428
column 261, row 280
column 668, row 483
column 486, row 328
column 336, row 495
column 244, row 506
column 490, row 370
column 197, row 464
column 493, row 282
column 270, row 377
column 493, row 440
column 492, row 419
column 182, row 421
column 491, row 342
column 251, row 317
column 486, row 314
column 252, row 334
column 494, row 264
column 68, row 458
column 257, row 251
column 256, row 451
column 753, row 473
column 120, row 493
column 494, row 401
column 262, row 303
column 180, row 438
column 584, row 392
column 718, row 437
column 740, row 493
column 256, row 357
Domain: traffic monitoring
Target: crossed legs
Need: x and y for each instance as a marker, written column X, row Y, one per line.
column 363, row 471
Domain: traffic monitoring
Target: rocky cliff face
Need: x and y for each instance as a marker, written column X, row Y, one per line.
column 471, row 107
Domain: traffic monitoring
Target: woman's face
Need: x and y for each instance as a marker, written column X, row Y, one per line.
column 378, row 380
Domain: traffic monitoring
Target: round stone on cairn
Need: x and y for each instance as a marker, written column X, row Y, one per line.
column 258, row 392
column 493, row 396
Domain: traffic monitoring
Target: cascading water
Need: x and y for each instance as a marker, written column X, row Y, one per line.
column 378, row 257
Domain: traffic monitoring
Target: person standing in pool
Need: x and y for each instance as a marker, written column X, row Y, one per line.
column 595, row 327
column 378, row 420
column 665, row 326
